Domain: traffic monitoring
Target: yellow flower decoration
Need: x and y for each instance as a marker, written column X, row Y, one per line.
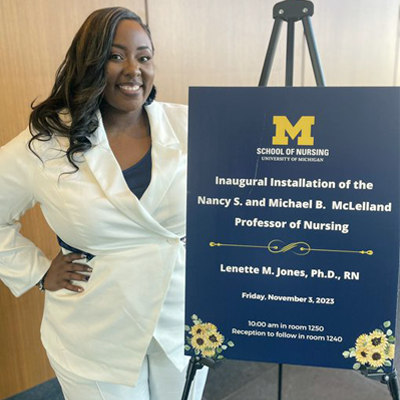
column 197, row 330
column 362, row 355
column 205, row 339
column 210, row 327
column 377, row 340
column 390, row 351
column 199, row 342
column 207, row 352
column 362, row 340
column 376, row 358
column 373, row 351
column 214, row 339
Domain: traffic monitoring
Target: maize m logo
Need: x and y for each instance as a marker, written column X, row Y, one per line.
column 300, row 131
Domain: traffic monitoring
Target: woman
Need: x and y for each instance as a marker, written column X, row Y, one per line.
column 107, row 164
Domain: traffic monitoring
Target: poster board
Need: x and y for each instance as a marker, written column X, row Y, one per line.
column 293, row 225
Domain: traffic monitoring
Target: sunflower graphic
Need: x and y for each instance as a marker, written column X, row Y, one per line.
column 377, row 340
column 199, row 342
column 215, row 339
column 373, row 351
column 198, row 329
column 362, row 340
column 362, row 354
column 377, row 358
column 209, row 327
column 204, row 339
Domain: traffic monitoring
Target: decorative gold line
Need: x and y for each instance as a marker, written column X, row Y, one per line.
column 284, row 249
column 213, row 244
column 367, row 252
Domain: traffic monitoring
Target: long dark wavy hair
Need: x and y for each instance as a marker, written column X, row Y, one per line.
column 80, row 83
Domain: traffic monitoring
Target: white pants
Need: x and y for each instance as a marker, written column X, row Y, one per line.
column 159, row 379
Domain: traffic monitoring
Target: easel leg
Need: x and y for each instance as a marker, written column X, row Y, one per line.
column 312, row 47
column 290, row 54
column 280, row 373
column 393, row 385
column 269, row 58
column 190, row 374
column 195, row 364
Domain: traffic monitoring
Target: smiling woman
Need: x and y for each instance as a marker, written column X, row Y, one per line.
column 130, row 68
column 107, row 164
column 130, row 76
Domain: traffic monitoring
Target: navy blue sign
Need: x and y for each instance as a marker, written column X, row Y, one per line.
column 293, row 225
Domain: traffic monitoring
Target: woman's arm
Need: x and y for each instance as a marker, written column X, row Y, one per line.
column 22, row 264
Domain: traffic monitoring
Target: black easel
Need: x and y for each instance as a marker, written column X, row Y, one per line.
column 195, row 363
column 292, row 11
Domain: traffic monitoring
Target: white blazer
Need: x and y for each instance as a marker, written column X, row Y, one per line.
column 136, row 289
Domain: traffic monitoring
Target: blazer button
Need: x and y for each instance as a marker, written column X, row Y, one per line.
column 172, row 241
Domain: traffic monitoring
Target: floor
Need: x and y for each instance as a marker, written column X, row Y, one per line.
column 238, row 380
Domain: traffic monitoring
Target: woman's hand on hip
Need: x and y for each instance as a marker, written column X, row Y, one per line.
column 63, row 270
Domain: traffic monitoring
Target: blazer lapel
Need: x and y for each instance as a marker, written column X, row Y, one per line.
column 165, row 160
column 166, row 156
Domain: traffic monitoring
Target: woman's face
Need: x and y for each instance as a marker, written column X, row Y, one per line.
column 130, row 68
